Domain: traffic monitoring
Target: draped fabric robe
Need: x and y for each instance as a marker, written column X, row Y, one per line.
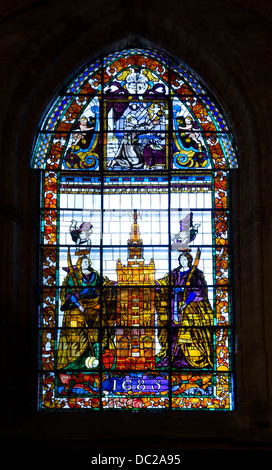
column 190, row 333
column 80, row 330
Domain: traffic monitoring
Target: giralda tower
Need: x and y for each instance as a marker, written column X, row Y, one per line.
column 135, row 335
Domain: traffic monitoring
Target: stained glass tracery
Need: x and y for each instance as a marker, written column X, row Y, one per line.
column 135, row 287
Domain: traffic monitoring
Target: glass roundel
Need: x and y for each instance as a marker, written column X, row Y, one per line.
column 135, row 308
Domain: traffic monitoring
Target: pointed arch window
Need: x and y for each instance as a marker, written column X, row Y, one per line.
column 135, row 155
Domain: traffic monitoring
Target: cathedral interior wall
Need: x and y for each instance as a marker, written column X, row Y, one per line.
column 228, row 45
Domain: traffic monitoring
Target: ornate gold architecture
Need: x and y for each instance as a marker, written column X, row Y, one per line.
column 135, row 335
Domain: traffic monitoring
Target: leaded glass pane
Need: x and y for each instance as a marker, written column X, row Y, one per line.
column 135, row 288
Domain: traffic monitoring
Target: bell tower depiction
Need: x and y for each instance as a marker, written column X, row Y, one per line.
column 135, row 336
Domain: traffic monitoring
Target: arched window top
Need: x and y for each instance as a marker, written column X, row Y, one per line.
column 140, row 86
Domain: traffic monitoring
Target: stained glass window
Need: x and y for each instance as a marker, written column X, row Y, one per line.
column 135, row 308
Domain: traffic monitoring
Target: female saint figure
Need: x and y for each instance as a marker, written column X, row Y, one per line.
column 85, row 311
column 189, row 342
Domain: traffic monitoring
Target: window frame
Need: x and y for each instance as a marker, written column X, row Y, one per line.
column 50, row 190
